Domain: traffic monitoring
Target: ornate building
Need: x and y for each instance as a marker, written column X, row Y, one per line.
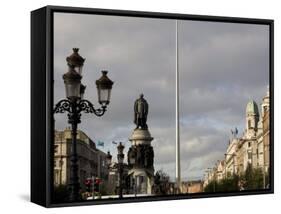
column 252, row 148
column 264, row 135
column 231, row 157
column 252, row 119
column 221, row 170
column 91, row 161
column 266, row 142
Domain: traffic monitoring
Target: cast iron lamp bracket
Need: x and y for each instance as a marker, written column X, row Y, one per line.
column 79, row 106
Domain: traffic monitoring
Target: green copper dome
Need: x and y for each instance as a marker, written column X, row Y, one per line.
column 252, row 108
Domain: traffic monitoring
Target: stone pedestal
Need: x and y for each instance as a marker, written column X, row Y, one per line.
column 140, row 161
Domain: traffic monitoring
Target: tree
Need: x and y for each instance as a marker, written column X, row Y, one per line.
column 228, row 184
column 211, row 187
column 253, row 178
column 161, row 183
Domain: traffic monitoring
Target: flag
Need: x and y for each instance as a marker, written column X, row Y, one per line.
column 114, row 142
column 100, row 143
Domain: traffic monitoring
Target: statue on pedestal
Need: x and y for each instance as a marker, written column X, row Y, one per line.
column 141, row 111
column 141, row 155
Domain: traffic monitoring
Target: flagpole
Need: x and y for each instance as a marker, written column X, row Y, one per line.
column 178, row 174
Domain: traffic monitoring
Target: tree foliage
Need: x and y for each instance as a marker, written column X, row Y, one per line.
column 251, row 179
column 161, row 183
column 228, row 184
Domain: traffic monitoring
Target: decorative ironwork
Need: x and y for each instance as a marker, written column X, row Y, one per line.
column 78, row 107
column 87, row 107
column 63, row 106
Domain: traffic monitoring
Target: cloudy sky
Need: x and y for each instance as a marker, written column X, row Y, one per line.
column 222, row 66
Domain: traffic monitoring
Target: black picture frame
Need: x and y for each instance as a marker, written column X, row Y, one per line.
column 42, row 101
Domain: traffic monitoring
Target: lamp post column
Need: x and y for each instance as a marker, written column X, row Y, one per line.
column 120, row 180
column 120, row 158
column 74, row 105
column 74, row 185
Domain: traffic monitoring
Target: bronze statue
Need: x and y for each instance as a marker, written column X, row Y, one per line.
column 141, row 111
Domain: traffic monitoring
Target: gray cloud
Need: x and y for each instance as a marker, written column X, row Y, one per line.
column 136, row 51
column 222, row 66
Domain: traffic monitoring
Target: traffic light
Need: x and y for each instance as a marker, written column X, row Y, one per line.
column 88, row 184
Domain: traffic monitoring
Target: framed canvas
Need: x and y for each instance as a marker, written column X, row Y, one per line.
column 134, row 106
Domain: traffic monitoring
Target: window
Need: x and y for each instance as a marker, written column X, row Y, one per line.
column 249, row 124
column 57, row 177
column 250, row 155
column 56, row 149
column 249, row 144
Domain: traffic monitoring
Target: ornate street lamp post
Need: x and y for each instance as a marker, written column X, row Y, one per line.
column 108, row 159
column 108, row 163
column 120, row 158
column 75, row 105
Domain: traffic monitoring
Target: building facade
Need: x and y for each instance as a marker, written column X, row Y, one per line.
column 91, row 161
column 231, row 157
column 192, row 186
column 252, row 148
column 221, row 173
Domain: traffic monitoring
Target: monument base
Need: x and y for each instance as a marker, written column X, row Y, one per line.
column 143, row 180
column 140, row 159
column 141, row 137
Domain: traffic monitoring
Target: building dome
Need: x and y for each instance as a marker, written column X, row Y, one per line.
column 252, row 108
